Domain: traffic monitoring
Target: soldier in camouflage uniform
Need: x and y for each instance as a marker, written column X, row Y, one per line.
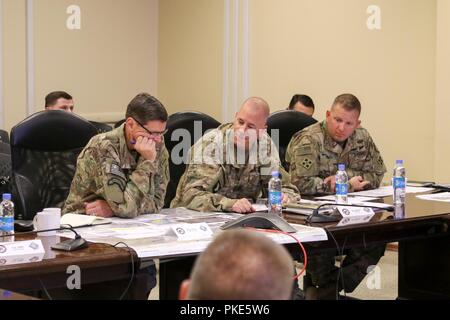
column 216, row 179
column 313, row 155
column 124, row 172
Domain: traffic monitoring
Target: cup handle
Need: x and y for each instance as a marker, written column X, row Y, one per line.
column 35, row 222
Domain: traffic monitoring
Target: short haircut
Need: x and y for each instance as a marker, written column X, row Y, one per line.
column 52, row 97
column 348, row 101
column 303, row 99
column 242, row 265
column 145, row 108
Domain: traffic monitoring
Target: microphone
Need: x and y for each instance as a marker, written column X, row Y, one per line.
column 317, row 217
column 67, row 245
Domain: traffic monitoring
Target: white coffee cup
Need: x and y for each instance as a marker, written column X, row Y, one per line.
column 47, row 220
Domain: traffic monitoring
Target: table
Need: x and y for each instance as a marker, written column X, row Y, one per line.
column 424, row 248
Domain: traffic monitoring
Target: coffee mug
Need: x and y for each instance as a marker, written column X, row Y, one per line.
column 46, row 220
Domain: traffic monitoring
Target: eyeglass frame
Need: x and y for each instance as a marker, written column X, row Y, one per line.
column 152, row 133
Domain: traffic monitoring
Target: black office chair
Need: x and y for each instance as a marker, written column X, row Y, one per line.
column 4, row 136
column 119, row 123
column 183, row 120
column 287, row 122
column 5, row 173
column 44, row 150
column 5, row 148
column 101, row 127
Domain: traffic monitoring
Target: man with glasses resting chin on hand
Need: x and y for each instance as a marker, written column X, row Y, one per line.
column 124, row 172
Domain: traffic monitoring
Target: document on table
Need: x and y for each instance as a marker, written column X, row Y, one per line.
column 152, row 235
column 442, row 197
column 387, row 191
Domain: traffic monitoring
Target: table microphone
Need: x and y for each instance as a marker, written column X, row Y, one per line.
column 317, row 217
column 67, row 245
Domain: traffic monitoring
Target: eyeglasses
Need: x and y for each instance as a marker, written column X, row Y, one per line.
column 152, row 133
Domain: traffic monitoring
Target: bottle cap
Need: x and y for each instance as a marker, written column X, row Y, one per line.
column 275, row 174
column 7, row 196
column 399, row 162
column 341, row 167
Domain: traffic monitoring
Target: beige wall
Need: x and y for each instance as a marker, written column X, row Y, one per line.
column 103, row 65
column 176, row 51
column 442, row 137
column 14, row 67
column 324, row 48
column 190, row 55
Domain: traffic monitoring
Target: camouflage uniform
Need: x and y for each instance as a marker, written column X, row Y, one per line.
column 312, row 156
column 211, row 183
column 108, row 170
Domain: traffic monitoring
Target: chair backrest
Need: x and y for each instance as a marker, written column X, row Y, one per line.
column 193, row 125
column 101, row 127
column 287, row 122
column 119, row 123
column 44, row 151
column 5, row 173
column 4, row 136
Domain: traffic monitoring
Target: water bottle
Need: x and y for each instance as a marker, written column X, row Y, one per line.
column 275, row 195
column 399, row 183
column 341, row 185
column 7, row 218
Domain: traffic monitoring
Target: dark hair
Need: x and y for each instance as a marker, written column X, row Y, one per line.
column 348, row 101
column 303, row 99
column 52, row 97
column 145, row 108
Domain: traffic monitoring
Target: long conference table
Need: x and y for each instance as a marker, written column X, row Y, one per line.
column 424, row 259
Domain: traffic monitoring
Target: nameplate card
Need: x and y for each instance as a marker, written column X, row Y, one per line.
column 346, row 221
column 355, row 211
column 21, row 252
column 192, row 231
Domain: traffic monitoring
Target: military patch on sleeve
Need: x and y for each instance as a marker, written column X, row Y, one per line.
column 306, row 163
column 115, row 169
column 121, row 183
column 304, row 150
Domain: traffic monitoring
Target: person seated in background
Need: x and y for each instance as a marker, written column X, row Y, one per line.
column 302, row 103
column 313, row 156
column 59, row 100
column 232, row 165
column 240, row 265
column 124, row 172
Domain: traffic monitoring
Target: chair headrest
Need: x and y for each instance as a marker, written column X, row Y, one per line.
column 52, row 130
column 288, row 122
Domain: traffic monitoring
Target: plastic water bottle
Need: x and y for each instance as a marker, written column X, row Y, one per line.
column 399, row 183
column 7, row 218
column 275, row 194
column 341, row 185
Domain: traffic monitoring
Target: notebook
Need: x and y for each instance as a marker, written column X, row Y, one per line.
column 76, row 220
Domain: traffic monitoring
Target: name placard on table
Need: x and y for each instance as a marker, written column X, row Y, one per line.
column 21, row 252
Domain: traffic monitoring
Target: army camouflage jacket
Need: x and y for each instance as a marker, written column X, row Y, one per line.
column 108, row 170
column 312, row 156
column 212, row 182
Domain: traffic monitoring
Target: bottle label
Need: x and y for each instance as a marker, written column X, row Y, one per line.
column 341, row 189
column 275, row 197
column 7, row 224
column 399, row 182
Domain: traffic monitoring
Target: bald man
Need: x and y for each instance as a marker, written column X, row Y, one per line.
column 231, row 268
column 230, row 167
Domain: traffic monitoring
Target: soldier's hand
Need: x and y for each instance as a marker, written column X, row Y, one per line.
column 99, row 208
column 243, row 206
column 146, row 147
column 331, row 182
column 285, row 198
column 357, row 183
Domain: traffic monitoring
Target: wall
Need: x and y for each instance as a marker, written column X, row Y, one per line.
column 103, row 65
column 442, row 130
column 190, row 55
column 323, row 48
